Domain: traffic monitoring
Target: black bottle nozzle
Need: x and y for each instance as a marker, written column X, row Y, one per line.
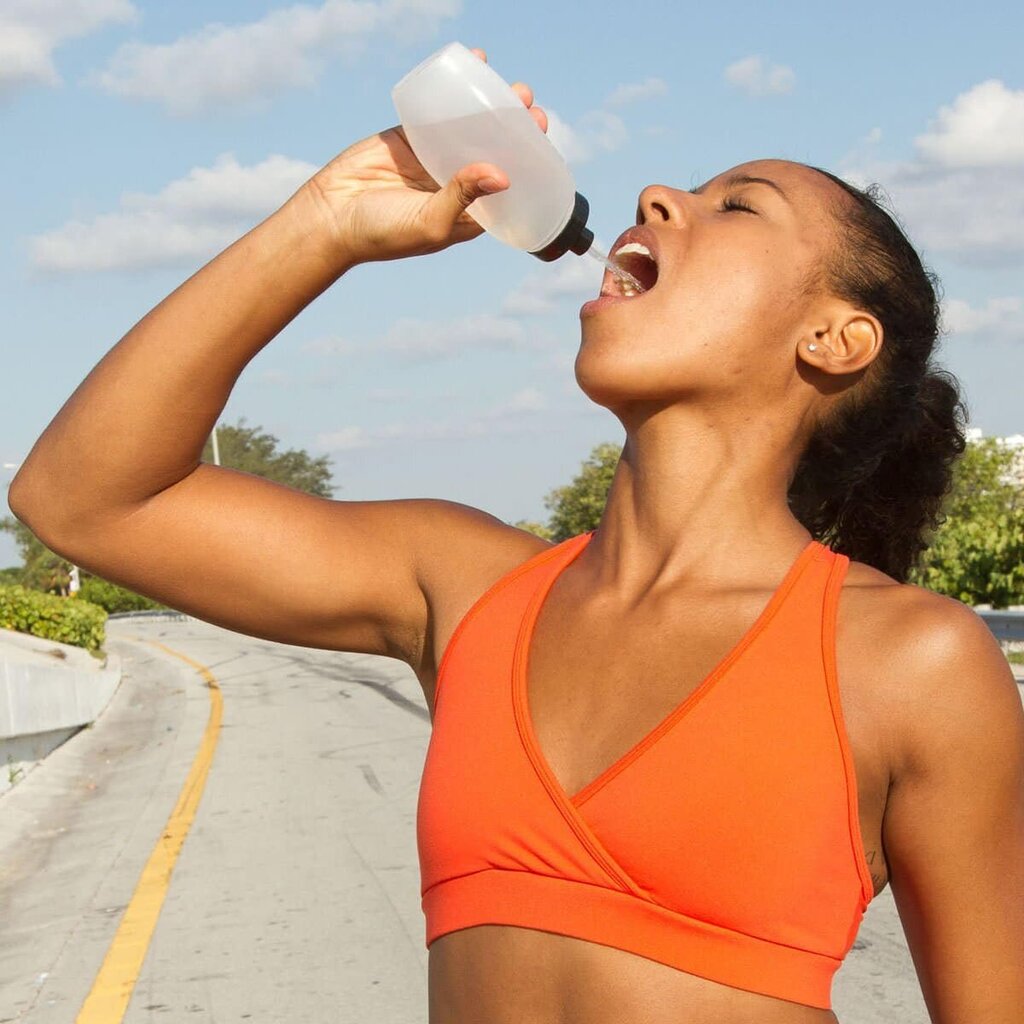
column 575, row 236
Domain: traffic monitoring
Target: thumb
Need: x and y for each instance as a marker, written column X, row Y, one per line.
column 467, row 185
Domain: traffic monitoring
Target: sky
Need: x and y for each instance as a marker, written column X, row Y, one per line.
column 139, row 139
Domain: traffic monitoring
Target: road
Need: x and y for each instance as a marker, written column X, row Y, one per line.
column 295, row 896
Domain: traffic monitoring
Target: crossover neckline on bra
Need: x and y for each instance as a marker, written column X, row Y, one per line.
column 521, row 657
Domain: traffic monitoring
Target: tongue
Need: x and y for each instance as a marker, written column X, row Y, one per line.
column 642, row 269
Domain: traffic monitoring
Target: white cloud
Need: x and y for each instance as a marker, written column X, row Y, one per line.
column 190, row 219
column 517, row 414
column 420, row 340
column 273, row 377
column 595, row 132
column 330, row 346
column 527, row 400
column 344, row 440
column 863, row 151
column 1000, row 319
column 974, row 215
column 756, row 77
column 30, row 30
column 601, row 130
column 963, row 195
column 630, row 92
column 425, row 339
column 540, row 291
column 983, row 128
column 288, row 48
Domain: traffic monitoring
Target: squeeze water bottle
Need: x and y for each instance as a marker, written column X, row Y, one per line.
column 457, row 110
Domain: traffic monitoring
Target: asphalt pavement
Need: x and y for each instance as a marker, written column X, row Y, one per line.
column 295, row 896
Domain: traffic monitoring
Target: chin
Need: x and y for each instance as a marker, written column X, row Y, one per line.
column 612, row 376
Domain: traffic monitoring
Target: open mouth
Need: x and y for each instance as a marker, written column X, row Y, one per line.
column 638, row 260
column 635, row 252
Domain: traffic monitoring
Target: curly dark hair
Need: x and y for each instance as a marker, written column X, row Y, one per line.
column 872, row 479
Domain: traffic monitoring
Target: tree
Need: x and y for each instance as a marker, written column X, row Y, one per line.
column 977, row 553
column 537, row 529
column 41, row 568
column 577, row 507
column 253, row 451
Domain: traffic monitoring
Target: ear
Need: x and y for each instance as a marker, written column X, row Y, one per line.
column 846, row 344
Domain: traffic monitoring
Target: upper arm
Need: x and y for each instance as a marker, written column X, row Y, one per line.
column 271, row 561
column 954, row 822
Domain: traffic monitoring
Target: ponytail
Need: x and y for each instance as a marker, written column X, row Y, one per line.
column 872, row 479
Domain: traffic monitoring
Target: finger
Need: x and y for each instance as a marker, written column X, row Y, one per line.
column 444, row 208
column 540, row 117
column 482, row 54
column 524, row 92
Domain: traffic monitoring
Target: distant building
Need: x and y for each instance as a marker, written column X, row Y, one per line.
column 1015, row 441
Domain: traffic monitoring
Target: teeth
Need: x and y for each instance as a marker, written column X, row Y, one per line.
column 637, row 248
column 634, row 247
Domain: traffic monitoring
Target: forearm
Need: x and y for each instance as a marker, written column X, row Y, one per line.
column 138, row 422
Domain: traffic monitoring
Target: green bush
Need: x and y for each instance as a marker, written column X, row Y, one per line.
column 978, row 560
column 113, row 597
column 69, row 620
column 977, row 553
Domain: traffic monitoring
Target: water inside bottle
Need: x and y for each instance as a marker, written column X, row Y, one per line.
column 618, row 271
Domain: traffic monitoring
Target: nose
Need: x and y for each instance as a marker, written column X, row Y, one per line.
column 660, row 204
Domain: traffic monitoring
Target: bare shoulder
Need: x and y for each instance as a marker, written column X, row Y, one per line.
column 934, row 663
column 460, row 553
column 454, row 539
column 953, row 824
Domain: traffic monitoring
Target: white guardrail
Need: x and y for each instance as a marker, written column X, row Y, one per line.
column 1005, row 625
column 160, row 614
column 48, row 691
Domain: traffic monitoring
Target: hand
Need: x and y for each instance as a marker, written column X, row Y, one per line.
column 379, row 202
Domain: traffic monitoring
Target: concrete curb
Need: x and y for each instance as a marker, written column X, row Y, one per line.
column 48, row 691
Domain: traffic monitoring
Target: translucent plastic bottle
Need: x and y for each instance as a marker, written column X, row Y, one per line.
column 457, row 110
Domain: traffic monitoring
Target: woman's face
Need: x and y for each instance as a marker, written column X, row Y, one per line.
column 729, row 306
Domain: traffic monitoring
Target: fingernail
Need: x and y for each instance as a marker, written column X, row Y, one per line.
column 490, row 185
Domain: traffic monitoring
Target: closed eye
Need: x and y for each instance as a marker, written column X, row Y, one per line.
column 736, row 203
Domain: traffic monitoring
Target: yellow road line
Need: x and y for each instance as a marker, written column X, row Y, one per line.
column 107, row 1001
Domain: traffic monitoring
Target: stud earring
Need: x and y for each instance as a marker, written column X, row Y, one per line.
column 812, row 347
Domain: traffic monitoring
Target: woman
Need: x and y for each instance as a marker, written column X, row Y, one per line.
column 722, row 736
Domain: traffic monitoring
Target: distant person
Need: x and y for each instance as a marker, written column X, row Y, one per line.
column 674, row 758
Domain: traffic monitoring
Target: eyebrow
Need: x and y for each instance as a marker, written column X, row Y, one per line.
column 746, row 179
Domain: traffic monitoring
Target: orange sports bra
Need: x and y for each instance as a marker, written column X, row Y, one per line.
column 726, row 843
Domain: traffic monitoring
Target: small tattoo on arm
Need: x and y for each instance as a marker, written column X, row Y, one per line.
column 878, row 879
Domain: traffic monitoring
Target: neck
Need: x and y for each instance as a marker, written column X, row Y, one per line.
column 699, row 496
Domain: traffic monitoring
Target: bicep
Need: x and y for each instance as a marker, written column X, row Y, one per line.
column 271, row 561
column 954, row 834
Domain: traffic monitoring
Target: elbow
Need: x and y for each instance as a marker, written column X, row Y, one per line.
column 19, row 496
column 40, row 501
column 35, row 504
